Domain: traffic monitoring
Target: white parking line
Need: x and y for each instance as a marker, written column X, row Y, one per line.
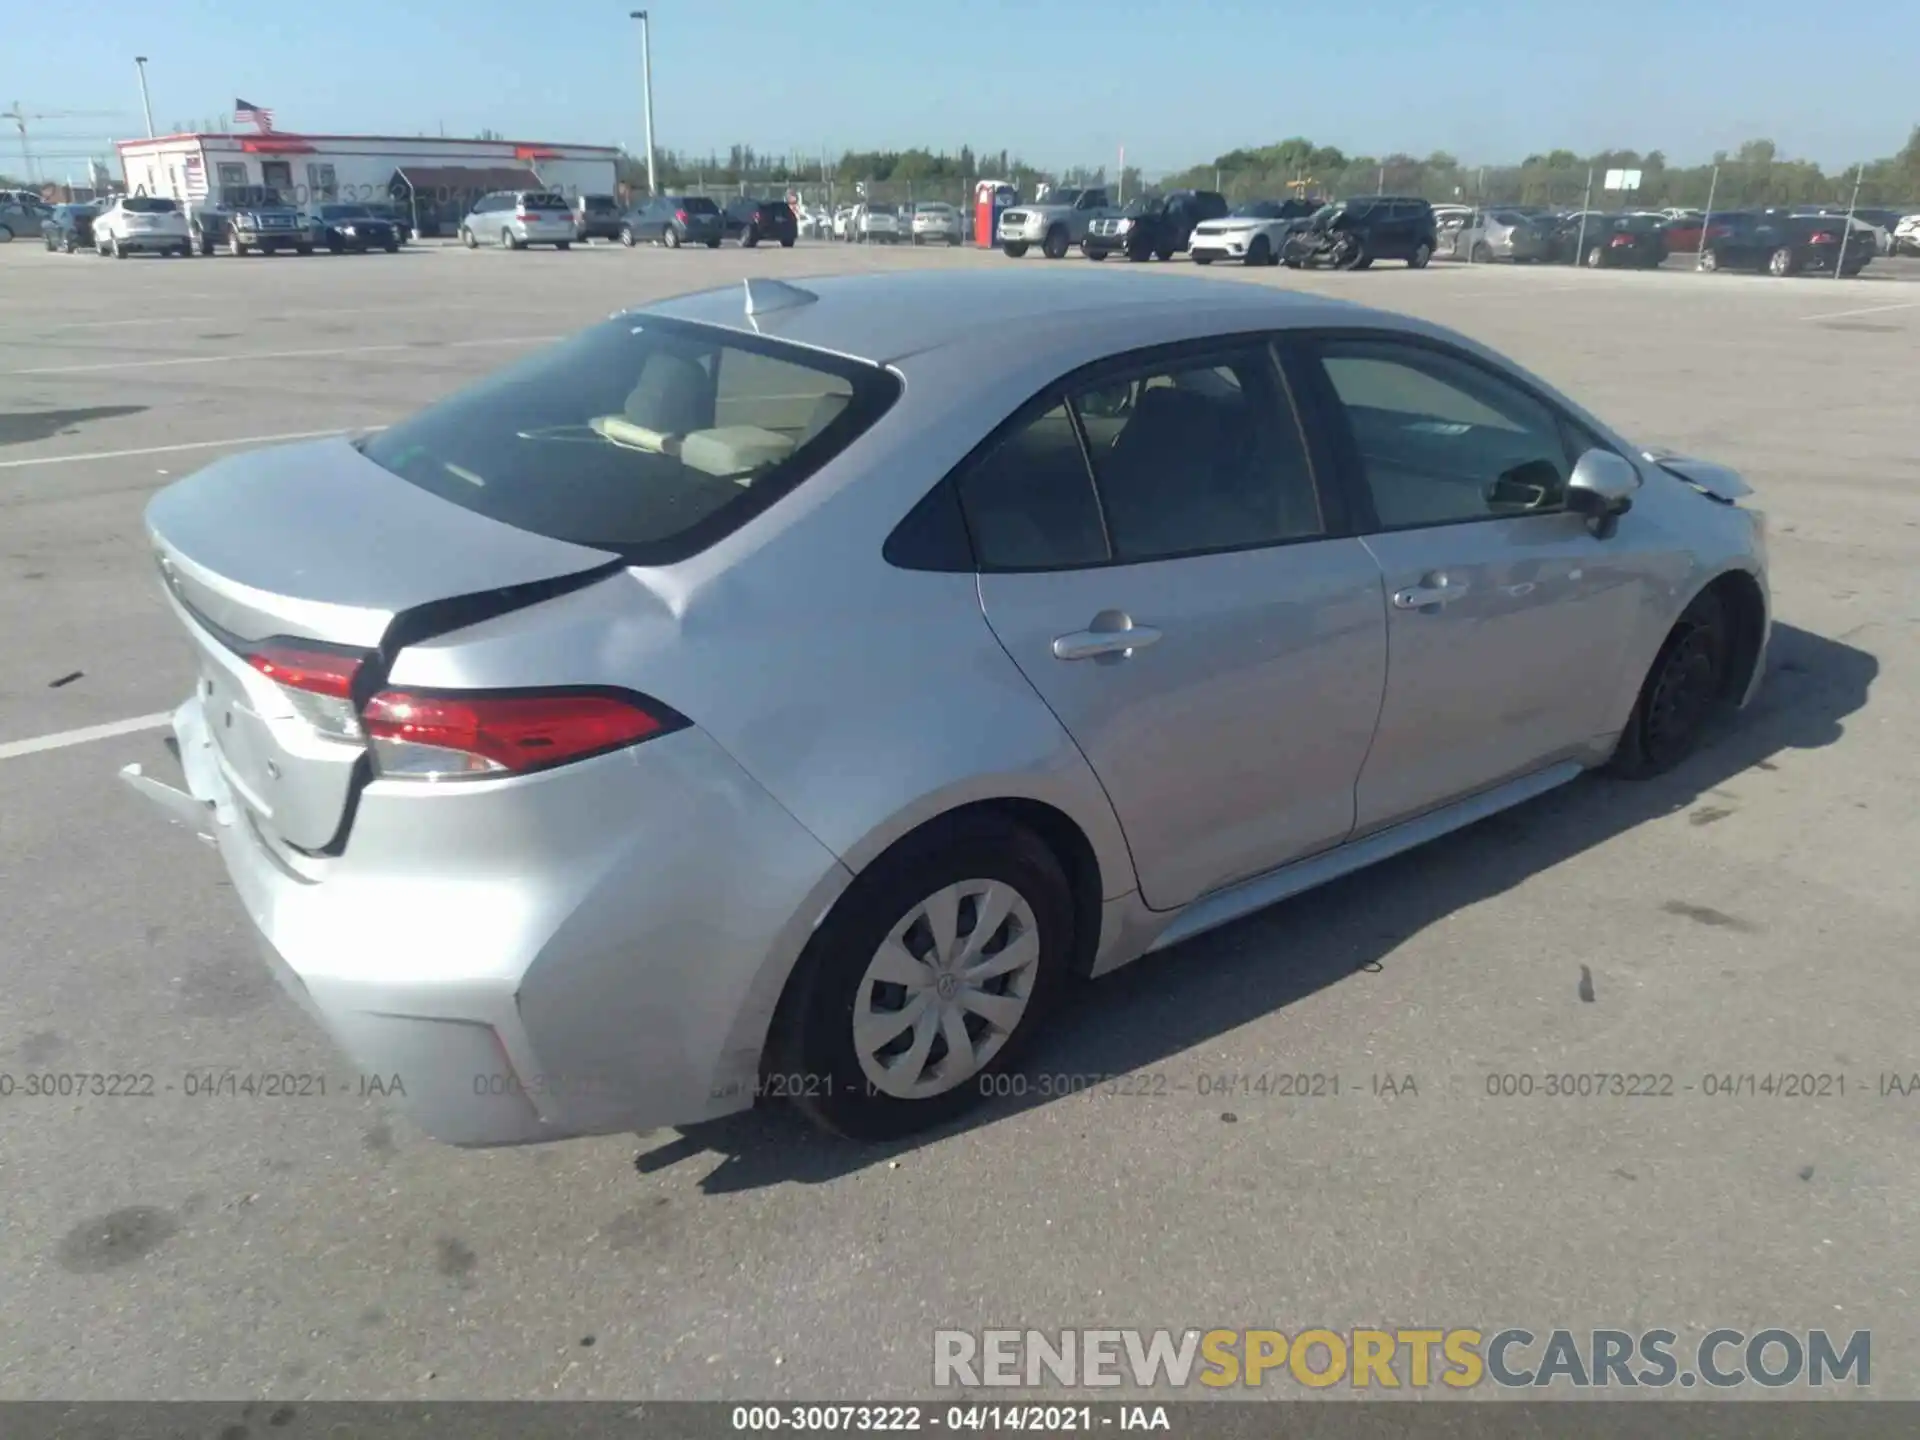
column 1869, row 310
column 246, row 355
column 14, row 749
column 201, row 319
column 190, row 445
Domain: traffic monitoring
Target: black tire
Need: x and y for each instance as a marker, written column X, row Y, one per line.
column 1684, row 688
column 1422, row 253
column 47, row 242
column 1709, row 260
column 392, row 247
column 749, row 238
column 1015, row 248
column 236, row 246
column 626, row 236
column 1851, row 270
column 507, row 242
column 1480, row 254
column 563, row 244
column 813, row 1029
column 786, row 242
column 670, row 238
column 468, row 238
column 1783, row 262
column 713, row 244
column 1091, row 253
column 1208, row 260
column 1054, row 247
column 1260, row 252
column 66, row 246
column 1596, row 258
column 303, row 249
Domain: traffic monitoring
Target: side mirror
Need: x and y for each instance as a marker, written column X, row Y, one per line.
column 1601, row 488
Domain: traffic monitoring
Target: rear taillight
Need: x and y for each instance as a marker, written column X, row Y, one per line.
column 473, row 734
column 1823, row 237
column 317, row 681
column 681, row 216
column 1620, row 240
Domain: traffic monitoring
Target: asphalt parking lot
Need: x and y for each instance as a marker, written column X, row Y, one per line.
column 1753, row 914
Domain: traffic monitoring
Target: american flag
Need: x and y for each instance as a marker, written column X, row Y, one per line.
column 259, row 116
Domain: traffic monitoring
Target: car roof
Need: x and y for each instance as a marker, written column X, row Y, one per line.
column 1078, row 316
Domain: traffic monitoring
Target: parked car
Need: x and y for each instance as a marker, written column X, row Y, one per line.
column 344, row 227
column 397, row 215
column 1683, row 233
column 1152, row 227
column 517, row 219
column 673, row 221
column 1252, row 234
column 1788, row 245
column 1906, row 235
column 750, row 221
column 843, row 222
column 596, row 217
column 874, row 225
column 136, row 223
column 1352, row 234
column 1876, row 221
column 1637, row 241
column 1496, row 234
column 935, row 222
column 1056, row 224
column 69, row 228
column 265, row 224
column 553, row 788
column 21, row 213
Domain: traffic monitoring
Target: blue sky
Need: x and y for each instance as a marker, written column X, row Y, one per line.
column 1061, row 82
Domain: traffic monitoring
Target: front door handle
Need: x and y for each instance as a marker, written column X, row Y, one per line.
column 1113, row 634
column 1429, row 595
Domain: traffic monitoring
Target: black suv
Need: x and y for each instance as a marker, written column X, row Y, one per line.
column 1352, row 234
column 1160, row 227
column 596, row 217
column 1786, row 244
column 751, row 221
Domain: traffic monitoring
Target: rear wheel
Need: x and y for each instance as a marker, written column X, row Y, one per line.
column 930, row 975
column 749, row 238
column 1422, row 253
column 1163, row 254
column 670, row 238
column 507, row 242
column 1260, row 252
column 712, row 244
column 1709, row 260
column 1480, row 254
column 1683, row 689
column 1091, row 253
column 467, row 239
column 1782, row 261
column 1015, row 248
column 626, row 236
column 236, row 246
column 114, row 247
column 1208, row 259
column 1054, row 247
column 1596, row 257
column 563, row 244
column 786, row 242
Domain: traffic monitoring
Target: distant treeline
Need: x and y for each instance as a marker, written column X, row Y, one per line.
column 1755, row 174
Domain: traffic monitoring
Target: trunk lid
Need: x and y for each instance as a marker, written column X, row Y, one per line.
column 316, row 547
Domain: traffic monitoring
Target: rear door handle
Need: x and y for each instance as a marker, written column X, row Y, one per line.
column 1090, row 644
column 1433, row 592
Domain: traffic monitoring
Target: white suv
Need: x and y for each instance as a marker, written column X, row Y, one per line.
column 133, row 223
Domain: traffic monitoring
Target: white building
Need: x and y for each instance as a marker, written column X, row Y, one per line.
column 436, row 179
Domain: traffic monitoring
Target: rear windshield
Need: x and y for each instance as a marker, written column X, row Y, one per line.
column 599, row 204
column 699, row 205
column 148, row 205
column 544, row 202
column 649, row 437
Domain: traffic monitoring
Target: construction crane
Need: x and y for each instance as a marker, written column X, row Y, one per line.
column 20, row 116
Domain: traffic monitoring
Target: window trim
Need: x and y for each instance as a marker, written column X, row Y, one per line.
column 1302, row 350
column 1336, row 515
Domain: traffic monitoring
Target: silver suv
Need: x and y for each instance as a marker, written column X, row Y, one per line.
column 515, row 219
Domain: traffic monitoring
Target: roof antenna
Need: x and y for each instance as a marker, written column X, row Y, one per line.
column 765, row 297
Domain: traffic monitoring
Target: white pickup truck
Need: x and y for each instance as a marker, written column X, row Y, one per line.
column 1056, row 224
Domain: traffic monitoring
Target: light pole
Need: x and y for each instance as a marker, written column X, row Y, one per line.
column 646, row 90
column 140, row 62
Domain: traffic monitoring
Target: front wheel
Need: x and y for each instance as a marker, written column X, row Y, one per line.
column 1683, row 689
column 507, row 241
column 1054, row 247
column 1091, row 253
column 933, row 971
column 1015, row 248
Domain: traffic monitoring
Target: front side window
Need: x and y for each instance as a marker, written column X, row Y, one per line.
column 652, row 438
column 1441, row 440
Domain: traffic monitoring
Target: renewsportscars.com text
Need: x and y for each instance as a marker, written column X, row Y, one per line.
column 1457, row 1358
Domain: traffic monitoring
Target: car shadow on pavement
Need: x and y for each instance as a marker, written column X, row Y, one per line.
column 1123, row 1026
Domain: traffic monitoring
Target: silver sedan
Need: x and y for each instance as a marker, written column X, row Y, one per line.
column 788, row 692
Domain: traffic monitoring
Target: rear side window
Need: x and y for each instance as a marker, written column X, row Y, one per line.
column 648, row 437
